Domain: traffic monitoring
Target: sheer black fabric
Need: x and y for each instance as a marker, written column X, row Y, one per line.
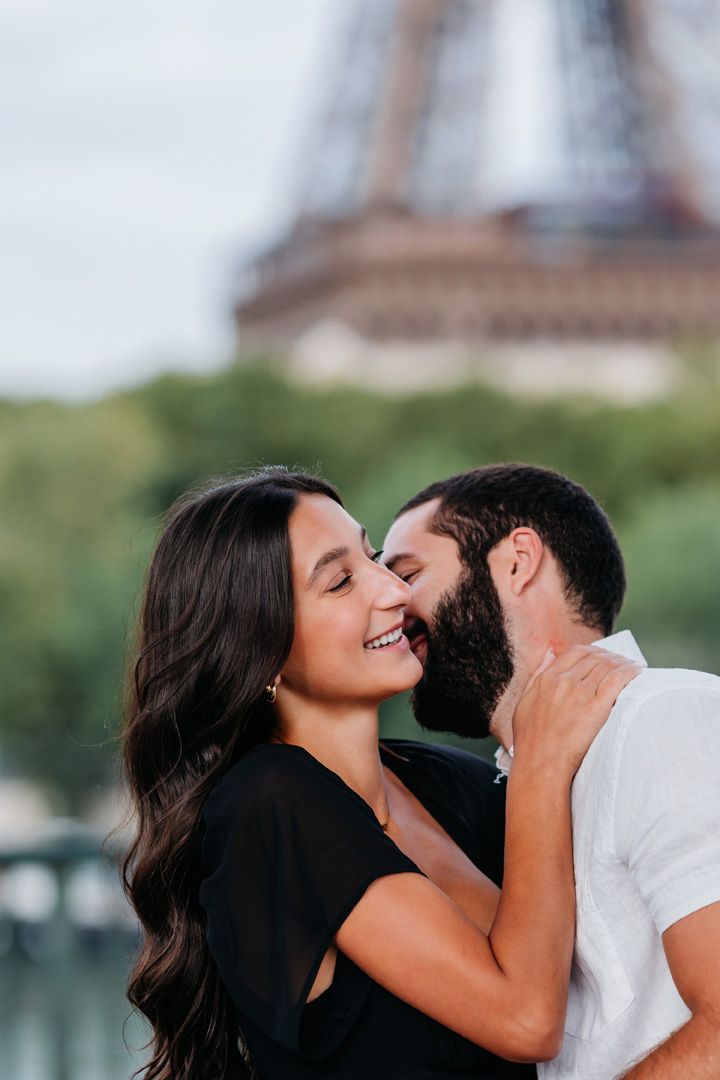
column 288, row 850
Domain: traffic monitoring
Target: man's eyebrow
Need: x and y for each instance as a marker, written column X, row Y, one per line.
column 392, row 563
column 331, row 556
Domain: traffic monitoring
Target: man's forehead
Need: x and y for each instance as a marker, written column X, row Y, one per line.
column 410, row 531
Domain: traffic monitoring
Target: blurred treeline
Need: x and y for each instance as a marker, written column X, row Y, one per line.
column 83, row 488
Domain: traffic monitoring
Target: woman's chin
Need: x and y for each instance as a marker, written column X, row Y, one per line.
column 405, row 679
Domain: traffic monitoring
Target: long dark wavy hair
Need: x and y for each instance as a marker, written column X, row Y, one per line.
column 216, row 627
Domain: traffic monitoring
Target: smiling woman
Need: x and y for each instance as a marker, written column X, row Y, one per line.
column 344, row 601
column 317, row 903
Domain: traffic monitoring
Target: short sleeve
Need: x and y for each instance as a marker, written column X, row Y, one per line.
column 667, row 802
column 288, row 849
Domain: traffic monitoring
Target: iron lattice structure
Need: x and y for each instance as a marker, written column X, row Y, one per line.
column 508, row 168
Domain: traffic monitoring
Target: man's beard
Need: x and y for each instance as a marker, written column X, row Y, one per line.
column 469, row 660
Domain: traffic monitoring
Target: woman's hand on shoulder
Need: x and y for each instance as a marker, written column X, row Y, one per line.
column 567, row 701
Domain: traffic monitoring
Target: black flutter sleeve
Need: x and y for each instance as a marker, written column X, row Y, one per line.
column 288, row 849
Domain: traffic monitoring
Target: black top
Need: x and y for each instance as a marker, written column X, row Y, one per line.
column 287, row 851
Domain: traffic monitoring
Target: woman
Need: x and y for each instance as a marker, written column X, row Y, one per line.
column 303, row 907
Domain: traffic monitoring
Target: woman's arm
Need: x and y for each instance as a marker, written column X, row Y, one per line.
column 506, row 991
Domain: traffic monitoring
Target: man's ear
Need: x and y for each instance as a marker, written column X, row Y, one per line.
column 518, row 558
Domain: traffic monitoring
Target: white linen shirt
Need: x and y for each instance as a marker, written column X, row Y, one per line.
column 646, row 834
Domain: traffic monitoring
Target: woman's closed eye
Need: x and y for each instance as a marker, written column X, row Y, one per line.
column 341, row 584
column 346, row 580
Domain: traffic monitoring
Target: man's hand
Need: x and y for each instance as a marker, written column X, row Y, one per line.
column 692, row 947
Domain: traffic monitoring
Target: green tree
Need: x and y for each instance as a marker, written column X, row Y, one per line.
column 83, row 489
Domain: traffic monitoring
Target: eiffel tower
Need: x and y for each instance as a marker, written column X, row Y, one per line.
column 508, row 170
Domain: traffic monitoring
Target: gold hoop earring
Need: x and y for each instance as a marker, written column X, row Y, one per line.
column 271, row 693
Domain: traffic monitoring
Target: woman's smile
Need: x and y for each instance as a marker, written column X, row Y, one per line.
column 386, row 640
column 400, row 645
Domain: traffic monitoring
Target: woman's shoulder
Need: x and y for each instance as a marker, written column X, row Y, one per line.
column 281, row 779
column 266, row 775
column 269, row 759
column 278, row 803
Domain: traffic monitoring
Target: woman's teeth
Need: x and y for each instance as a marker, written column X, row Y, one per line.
column 385, row 639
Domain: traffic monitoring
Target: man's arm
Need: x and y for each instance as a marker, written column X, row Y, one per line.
column 692, row 947
column 667, row 832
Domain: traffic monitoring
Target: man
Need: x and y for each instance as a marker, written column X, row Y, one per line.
column 504, row 561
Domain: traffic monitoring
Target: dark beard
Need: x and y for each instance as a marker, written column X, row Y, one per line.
column 469, row 659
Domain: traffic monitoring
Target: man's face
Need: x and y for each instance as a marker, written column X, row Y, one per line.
column 455, row 624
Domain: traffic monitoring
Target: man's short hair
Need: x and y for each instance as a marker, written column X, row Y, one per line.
column 479, row 508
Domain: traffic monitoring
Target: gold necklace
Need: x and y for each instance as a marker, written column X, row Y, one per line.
column 384, row 825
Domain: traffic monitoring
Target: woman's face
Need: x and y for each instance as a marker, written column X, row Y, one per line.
column 346, row 605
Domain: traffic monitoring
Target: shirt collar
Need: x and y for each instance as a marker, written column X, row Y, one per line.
column 623, row 643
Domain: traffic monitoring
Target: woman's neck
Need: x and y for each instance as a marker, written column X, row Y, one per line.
column 345, row 741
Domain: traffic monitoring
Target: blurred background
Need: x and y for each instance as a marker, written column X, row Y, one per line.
column 386, row 239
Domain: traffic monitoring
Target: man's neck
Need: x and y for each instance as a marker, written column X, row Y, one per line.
column 527, row 663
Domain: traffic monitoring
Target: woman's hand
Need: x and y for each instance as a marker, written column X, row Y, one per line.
column 566, row 702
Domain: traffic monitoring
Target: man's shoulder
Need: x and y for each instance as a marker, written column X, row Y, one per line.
column 653, row 683
column 659, row 701
column 664, row 692
column 656, row 711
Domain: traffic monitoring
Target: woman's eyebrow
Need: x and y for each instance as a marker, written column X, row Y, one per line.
column 331, row 556
column 324, row 560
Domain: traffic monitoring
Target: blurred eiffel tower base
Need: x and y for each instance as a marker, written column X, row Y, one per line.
column 526, row 191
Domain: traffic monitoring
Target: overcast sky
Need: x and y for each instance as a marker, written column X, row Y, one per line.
column 146, row 145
